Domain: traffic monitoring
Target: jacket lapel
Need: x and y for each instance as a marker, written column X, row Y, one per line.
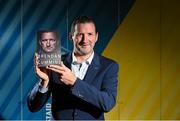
column 92, row 70
column 67, row 60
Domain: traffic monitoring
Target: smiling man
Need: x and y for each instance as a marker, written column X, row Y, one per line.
column 84, row 86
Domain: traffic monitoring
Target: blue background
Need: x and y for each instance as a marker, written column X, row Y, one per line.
column 19, row 22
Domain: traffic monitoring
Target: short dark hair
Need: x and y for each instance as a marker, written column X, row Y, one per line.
column 81, row 19
column 40, row 32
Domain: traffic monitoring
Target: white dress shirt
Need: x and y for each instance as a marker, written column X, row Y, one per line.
column 80, row 69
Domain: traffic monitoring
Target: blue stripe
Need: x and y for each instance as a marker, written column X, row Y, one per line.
column 3, row 4
column 10, row 15
column 29, row 13
column 24, row 96
column 15, row 115
column 10, row 95
column 11, row 42
column 8, row 70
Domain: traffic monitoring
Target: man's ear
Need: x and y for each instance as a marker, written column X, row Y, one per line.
column 97, row 36
column 40, row 43
column 70, row 36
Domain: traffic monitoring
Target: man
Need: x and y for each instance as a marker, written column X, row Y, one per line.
column 84, row 86
column 48, row 40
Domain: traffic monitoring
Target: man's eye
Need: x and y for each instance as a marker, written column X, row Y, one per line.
column 79, row 34
column 43, row 40
column 52, row 40
column 90, row 33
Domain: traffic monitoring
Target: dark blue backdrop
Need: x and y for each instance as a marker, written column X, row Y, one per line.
column 19, row 22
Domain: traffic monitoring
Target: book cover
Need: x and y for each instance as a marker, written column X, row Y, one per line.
column 48, row 48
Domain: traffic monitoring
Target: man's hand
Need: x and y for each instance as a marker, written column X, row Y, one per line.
column 41, row 72
column 66, row 75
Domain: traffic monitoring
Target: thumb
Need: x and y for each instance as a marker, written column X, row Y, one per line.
column 62, row 64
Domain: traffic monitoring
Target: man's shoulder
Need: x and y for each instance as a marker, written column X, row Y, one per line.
column 108, row 64
column 106, row 61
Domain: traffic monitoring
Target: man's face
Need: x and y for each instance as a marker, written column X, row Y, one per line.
column 84, row 38
column 48, row 41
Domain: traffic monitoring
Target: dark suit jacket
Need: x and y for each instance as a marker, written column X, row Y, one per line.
column 88, row 99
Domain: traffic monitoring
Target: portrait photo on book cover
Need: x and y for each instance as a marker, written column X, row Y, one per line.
column 48, row 47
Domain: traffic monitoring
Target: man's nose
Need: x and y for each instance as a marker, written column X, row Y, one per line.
column 85, row 38
column 48, row 43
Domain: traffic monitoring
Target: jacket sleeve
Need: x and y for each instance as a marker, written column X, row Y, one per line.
column 37, row 99
column 105, row 98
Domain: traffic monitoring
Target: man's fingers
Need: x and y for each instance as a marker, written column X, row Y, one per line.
column 55, row 69
column 36, row 62
column 36, row 54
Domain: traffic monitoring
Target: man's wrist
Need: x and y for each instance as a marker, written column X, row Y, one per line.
column 74, row 81
column 42, row 88
column 44, row 83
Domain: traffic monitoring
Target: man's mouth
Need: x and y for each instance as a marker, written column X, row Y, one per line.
column 49, row 48
column 85, row 45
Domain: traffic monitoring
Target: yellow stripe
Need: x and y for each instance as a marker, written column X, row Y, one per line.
column 147, row 47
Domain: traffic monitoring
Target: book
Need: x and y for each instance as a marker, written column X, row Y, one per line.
column 48, row 48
